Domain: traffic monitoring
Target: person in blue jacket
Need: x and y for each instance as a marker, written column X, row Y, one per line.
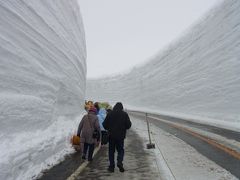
column 101, row 117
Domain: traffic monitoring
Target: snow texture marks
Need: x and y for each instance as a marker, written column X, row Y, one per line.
column 42, row 79
column 196, row 76
column 176, row 159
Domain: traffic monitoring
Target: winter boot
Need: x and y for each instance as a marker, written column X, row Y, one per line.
column 111, row 169
column 120, row 166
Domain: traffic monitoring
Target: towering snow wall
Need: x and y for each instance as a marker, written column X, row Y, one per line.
column 197, row 77
column 42, row 82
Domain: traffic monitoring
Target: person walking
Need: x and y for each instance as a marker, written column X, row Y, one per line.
column 104, row 134
column 86, row 128
column 116, row 122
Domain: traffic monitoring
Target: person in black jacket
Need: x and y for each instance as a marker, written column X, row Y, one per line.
column 116, row 122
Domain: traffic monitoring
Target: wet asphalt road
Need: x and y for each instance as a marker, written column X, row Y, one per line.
column 220, row 131
column 221, row 158
column 139, row 163
column 135, row 151
column 64, row 169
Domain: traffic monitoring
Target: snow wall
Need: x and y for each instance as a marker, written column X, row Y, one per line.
column 42, row 83
column 197, row 77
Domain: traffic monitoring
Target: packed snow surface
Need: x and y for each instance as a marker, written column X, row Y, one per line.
column 195, row 77
column 176, row 159
column 42, row 83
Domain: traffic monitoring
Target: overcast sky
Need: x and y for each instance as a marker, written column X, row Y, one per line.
column 123, row 33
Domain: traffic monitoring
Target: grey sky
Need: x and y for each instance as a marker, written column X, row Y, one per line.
column 123, row 33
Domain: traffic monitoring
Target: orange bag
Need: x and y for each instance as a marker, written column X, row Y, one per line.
column 75, row 140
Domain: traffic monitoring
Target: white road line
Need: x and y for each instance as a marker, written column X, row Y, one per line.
column 163, row 167
column 82, row 167
column 210, row 140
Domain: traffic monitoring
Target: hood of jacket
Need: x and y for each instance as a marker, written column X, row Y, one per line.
column 118, row 107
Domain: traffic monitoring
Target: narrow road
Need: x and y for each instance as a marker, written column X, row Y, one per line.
column 139, row 163
column 64, row 169
column 225, row 159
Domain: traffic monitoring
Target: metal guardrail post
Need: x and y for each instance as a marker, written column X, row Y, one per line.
column 150, row 145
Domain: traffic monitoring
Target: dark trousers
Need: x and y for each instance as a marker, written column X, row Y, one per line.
column 104, row 139
column 89, row 148
column 119, row 145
